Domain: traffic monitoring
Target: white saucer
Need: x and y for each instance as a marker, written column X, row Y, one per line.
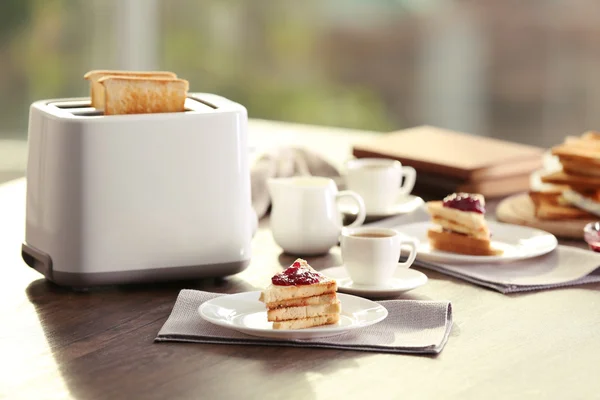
column 244, row 313
column 518, row 243
column 404, row 205
column 404, row 279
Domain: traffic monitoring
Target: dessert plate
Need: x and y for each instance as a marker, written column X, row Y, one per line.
column 403, row 205
column 244, row 313
column 518, row 243
column 404, row 279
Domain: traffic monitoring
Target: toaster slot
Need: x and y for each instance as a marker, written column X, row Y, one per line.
column 71, row 104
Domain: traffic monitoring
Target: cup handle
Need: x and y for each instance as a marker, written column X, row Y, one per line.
column 413, row 244
column 410, row 177
column 362, row 213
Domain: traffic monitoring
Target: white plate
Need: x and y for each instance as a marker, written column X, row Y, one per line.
column 518, row 243
column 404, row 205
column 244, row 313
column 404, row 279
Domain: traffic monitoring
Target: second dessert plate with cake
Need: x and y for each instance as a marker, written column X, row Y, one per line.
column 459, row 232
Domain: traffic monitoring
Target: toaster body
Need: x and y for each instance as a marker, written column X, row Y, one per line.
column 137, row 198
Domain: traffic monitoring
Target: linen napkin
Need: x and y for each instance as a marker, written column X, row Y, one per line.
column 419, row 327
column 284, row 162
column 565, row 266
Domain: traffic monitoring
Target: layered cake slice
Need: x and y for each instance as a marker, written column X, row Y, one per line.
column 460, row 225
column 300, row 297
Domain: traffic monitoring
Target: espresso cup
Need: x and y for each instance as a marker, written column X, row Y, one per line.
column 371, row 255
column 379, row 182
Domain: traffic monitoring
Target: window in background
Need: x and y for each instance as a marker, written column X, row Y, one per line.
column 522, row 71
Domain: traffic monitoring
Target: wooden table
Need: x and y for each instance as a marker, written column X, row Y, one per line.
column 99, row 344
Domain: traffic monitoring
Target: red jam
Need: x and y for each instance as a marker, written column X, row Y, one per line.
column 464, row 202
column 296, row 275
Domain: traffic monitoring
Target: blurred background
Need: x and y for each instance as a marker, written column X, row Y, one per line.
column 521, row 71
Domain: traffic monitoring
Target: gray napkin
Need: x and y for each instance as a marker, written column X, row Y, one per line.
column 565, row 266
column 420, row 327
column 284, row 162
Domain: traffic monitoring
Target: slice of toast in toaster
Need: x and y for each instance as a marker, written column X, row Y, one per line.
column 97, row 90
column 136, row 95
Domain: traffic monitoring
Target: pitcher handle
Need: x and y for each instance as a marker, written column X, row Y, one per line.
column 362, row 213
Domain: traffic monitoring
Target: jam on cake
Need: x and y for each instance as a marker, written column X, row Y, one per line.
column 300, row 297
column 460, row 225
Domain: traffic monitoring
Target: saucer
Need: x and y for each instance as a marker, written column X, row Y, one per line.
column 404, row 204
column 404, row 279
column 244, row 313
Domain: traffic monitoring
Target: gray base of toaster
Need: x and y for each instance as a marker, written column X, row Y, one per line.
column 42, row 263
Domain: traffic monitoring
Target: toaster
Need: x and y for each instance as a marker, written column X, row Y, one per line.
column 118, row 199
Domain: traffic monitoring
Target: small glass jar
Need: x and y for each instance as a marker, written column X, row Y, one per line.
column 591, row 234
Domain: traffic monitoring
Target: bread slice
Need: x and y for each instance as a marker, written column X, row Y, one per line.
column 583, row 154
column 133, row 95
column 591, row 135
column 97, row 90
column 307, row 322
column 323, row 299
column 574, row 167
column 578, row 182
column 274, row 293
column 287, row 313
column 469, row 223
column 462, row 244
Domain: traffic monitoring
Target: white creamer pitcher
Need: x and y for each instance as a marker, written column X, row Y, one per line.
column 305, row 219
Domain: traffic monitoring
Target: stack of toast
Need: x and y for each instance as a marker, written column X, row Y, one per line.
column 574, row 192
column 136, row 92
column 300, row 298
column 460, row 226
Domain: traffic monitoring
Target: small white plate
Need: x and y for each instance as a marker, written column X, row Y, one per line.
column 244, row 313
column 404, row 279
column 404, row 205
column 518, row 243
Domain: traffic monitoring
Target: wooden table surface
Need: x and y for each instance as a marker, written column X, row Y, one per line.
column 99, row 344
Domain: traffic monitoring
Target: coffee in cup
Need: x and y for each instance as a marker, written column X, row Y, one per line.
column 371, row 255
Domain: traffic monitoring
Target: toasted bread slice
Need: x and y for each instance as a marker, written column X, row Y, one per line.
column 287, row 313
column 274, row 293
column 462, row 244
column 591, row 135
column 578, row 182
column 574, row 167
column 551, row 206
column 582, row 154
column 133, row 95
column 328, row 298
column 307, row 322
column 469, row 223
column 97, row 90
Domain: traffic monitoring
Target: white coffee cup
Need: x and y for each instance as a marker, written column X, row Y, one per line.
column 371, row 255
column 379, row 182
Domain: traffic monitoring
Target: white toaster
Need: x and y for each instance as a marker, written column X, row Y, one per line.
column 137, row 198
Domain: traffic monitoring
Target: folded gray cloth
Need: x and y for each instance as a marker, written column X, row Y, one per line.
column 284, row 162
column 565, row 266
column 411, row 326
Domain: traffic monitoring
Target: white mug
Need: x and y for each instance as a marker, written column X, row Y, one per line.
column 379, row 182
column 371, row 255
column 305, row 219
